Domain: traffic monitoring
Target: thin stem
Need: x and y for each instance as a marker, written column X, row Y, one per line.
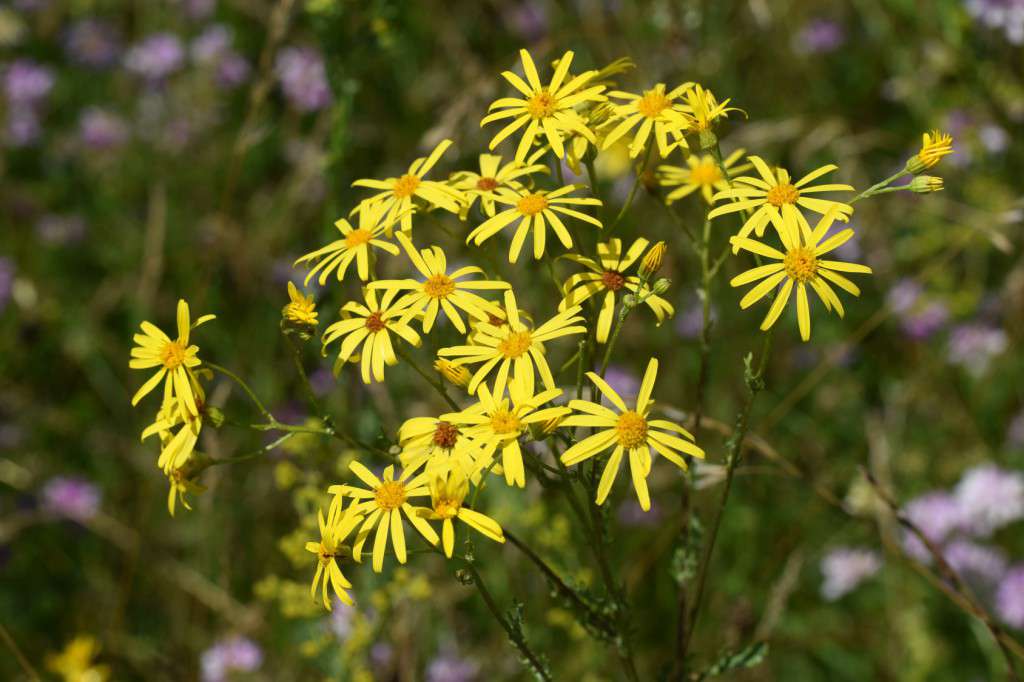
column 255, row 453
column 620, row 318
column 18, row 656
column 632, row 192
column 875, row 188
column 437, row 384
column 245, row 387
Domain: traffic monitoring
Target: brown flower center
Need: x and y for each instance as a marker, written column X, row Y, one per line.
column 541, row 105
column 405, row 186
column 532, row 204
column 613, row 280
column 375, row 323
column 515, row 344
column 390, row 495
column 783, row 194
column 486, row 184
column 439, row 286
column 445, row 435
column 801, row 264
column 632, row 430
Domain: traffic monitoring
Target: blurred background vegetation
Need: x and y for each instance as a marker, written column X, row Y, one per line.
column 193, row 148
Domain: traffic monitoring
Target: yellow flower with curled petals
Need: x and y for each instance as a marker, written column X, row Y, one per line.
column 181, row 485
column 447, row 498
column 338, row 525
column 934, row 146
column 176, row 448
column 383, row 503
column 655, row 112
column 493, row 179
column 514, row 346
column 544, row 110
column 535, row 210
column 371, row 324
column 608, row 275
column 397, row 194
column 441, row 290
column 355, row 244
column 627, row 430
column 701, row 174
column 702, row 108
column 801, row 266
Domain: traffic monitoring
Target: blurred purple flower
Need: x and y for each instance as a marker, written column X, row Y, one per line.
column 211, row 45
column 975, row 563
column 1007, row 15
column 631, row 514
column 92, row 43
column 622, row 381
column 921, row 324
column 1010, row 597
column 6, row 282
column 528, row 20
column 1015, row 432
column 691, row 321
column 448, row 667
column 381, row 654
column 73, row 498
column 234, row 654
column 54, row 228
column 198, row 9
column 303, row 78
column 233, row 70
column 903, row 296
column 844, row 568
column 22, row 127
column 994, row 138
column 26, row 83
column 989, row 498
column 974, row 345
column 936, row 514
column 321, row 380
column 101, row 130
column 819, row 36
column 341, row 619
column 156, row 57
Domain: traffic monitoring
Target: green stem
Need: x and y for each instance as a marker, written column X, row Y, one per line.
column 437, row 384
column 877, row 187
column 245, row 387
column 632, row 193
column 255, row 453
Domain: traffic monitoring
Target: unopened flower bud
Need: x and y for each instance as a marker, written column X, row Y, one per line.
column 925, row 184
column 661, row 286
column 213, row 416
column 653, row 259
column 455, row 374
column 708, row 140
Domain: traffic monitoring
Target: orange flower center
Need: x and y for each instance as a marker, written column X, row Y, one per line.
column 439, row 286
column 515, row 344
column 503, row 421
column 613, row 280
column 652, row 103
column 445, row 435
column 783, row 194
column 486, row 184
column 532, row 204
column 357, row 238
column 801, row 264
column 446, row 508
column 706, row 173
column 541, row 105
column 632, row 430
column 375, row 323
column 173, row 355
column 390, row 495
column 405, row 186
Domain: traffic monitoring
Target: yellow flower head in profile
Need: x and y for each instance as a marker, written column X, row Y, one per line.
column 300, row 309
column 355, row 244
column 535, row 210
column 75, row 662
column 498, row 422
column 439, row 444
column 654, row 111
column 371, row 324
column 454, row 374
column 493, row 179
column 514, row 346
column 627, row 430
column 396, row 195
column 447, row 495
column 774, row 198
column 609, row 277
column 802, row 266
column 702, row 108
column 176, row 448
column 702, row 173
column 338, row 525
column 181, row 484
column 383, row 503
column 176, row 359
column 934, row 146
column 441, row 290
column 547, row 110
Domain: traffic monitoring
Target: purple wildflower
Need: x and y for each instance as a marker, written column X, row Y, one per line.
column 211, row 45
column 73, row 498
column 974, row 345
column 903, row 296
column 233, row 70
column 1015, row 432
column 341, row 619
column 92, row 43
column 234, row 654
column 448, row 667
column 22, row 127
column 630, row 514
column 26, row 83
column 937, row 515
column 844, row 568
column 921, row 324
column 819, row 36
column 622, row 381
column 101, row 130
column 1010, row 597
column 1007, row 15
column 989, row 498
column 156, row 57
column 974, row 562
column 303, row 78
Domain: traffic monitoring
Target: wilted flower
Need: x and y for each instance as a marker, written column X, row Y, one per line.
column 845, row 568
column 73, row 498
column 989, row 498
column 27, row 83
column 234, row 654
column 303, row 78
column 1010, row 597
column 156, row 57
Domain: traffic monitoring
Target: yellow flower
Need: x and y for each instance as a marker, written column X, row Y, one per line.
column 609, row 277
column 177, row 448
column 702, row 109
column 498, row 422
column 300, row 309
column 628, row 430
column 355, row 244
column 371, row 325
column 441, row 289
column 546, row 110
column 802, row 265
column 176, row 359
column 493, row 179
column 652, row 260
column 397, row 194
column 773, row 197
column 383, row 504
column 438, row 443
column 535, row 209
column 455, row 374
column 515, row 344
column 333, row 531
column 702, row 173
column 180, row 485
column 934, row 146
column 654, row 111
column 75, row 662
column 447, row 495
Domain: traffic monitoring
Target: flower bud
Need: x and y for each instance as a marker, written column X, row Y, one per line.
column 934, row 146
column 708, row 140
column 455, row 374
column 653, row 259
column 661, row 286
column 213, row 416
column 925, row 184
column 299, row 316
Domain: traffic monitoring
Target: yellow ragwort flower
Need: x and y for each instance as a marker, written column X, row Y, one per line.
column 652, row 260
column 702, row 108
column 493, row 179
column 371, row 325
column 772, row 197
column 547, row 110
column 355, row 244
column 300, row 309
column 176, row 359
column 498, row 422
column 628, row 430
column 447, row 495
column 702, row 173
column 180, row 486
column 397, row 194
column 454, row 374
column 441, row 290
column 934, row 146
column 383, row 504
column 655, row 111
column 800, row 265
column 514, row 345
column 333, row 531
column 439, row 444
column 75, row 662
column 609, row 276
column 535, row 210
column 177, row 448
